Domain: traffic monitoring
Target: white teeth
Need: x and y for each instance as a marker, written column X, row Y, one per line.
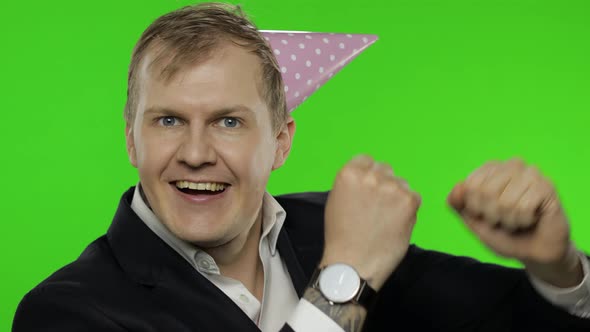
column 211, row 186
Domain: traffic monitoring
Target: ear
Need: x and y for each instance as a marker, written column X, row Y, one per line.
column 131, row 152
column 284, row 140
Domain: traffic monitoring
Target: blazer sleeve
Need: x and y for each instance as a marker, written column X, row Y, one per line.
column 56, row 309
column 433, row 291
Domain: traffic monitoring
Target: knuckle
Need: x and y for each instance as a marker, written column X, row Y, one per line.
column 527, row 207
column 382, row 165
column 364, row 161
column 473, row 176
column 383, row 170
column 505, row 204
column 408, row 199
column 361, row 158
column 415, row 201
column 548, row 186
column 403, row 183
column 470, row 202
column 481, row 195
column 485, row 194
column 364, row 156
column 346, row 173
column 360, row 162
column 472, row 187
column 491, row 207
column 517, row 161
column 532, row 172
column 524, row 222
column 510, row 218
column 486, row 168
column 371, row 181
column 351, row 170
column 473, row 208
column 389, row 188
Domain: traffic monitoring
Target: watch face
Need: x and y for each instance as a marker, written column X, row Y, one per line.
column 339, row 283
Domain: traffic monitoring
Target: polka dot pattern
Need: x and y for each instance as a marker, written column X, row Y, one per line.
column 309, row 59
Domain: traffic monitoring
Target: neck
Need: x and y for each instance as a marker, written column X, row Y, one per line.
column 239, row 259
column 242, row 247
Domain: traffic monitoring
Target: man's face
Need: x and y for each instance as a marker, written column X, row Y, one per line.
column 207, row 129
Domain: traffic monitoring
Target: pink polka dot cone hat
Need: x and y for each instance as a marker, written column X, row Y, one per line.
column 310, row 59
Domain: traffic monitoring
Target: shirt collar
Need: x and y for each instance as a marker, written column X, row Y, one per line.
column 273, row 218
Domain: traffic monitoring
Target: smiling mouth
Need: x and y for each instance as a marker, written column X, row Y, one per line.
column 200, row 188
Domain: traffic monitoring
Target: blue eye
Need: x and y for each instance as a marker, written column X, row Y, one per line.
column 168, row 121
column 230, row 122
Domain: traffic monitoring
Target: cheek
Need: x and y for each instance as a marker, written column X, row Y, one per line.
column 154, row 152
column 251, row 158
column 261, row 164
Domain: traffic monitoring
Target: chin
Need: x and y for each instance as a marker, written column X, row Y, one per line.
column 202, row 234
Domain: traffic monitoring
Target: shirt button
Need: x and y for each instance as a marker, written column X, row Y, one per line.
column 244, row 298
column 204, row 264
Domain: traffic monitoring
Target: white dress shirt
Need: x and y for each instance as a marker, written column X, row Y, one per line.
column 280, row 302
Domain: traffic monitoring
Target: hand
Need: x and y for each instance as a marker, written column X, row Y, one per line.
column 369, row 218
column 515, row 211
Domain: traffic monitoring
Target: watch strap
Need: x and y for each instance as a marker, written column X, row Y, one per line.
column 366, row 295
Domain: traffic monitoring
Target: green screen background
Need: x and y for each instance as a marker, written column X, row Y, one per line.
column 448, row 86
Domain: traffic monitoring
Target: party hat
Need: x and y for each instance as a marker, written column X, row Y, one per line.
column 310, row 59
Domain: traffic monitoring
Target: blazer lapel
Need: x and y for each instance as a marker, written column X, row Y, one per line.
column 301, row 239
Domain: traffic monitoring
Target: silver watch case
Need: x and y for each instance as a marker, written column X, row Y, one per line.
column 340, row 283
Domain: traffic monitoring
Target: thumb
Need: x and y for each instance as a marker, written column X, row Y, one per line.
column 456, row 198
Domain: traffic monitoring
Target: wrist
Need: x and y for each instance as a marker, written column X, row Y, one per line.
column 350, row 316
column 567, row 272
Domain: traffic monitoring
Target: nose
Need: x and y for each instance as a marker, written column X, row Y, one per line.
column 196, row 149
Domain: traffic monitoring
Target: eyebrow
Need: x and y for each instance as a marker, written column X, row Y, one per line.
column 216, row 113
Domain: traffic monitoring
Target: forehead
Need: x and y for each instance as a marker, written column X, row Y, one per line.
column 228, row 74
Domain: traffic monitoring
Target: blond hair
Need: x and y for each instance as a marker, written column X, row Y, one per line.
column 189, row 35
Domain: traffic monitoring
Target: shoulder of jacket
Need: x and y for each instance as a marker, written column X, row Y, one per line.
column 313, row 197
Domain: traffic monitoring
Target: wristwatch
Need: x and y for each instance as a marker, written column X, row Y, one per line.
column 340, row 283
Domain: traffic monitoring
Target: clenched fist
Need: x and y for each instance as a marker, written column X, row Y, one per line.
column 515, row 211
column 370, row 214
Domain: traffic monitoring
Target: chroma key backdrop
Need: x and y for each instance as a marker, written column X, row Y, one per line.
column 447, row 86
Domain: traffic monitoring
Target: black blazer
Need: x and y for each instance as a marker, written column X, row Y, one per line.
column 130, row 280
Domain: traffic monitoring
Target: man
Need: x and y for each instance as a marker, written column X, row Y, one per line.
column 198, row 244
